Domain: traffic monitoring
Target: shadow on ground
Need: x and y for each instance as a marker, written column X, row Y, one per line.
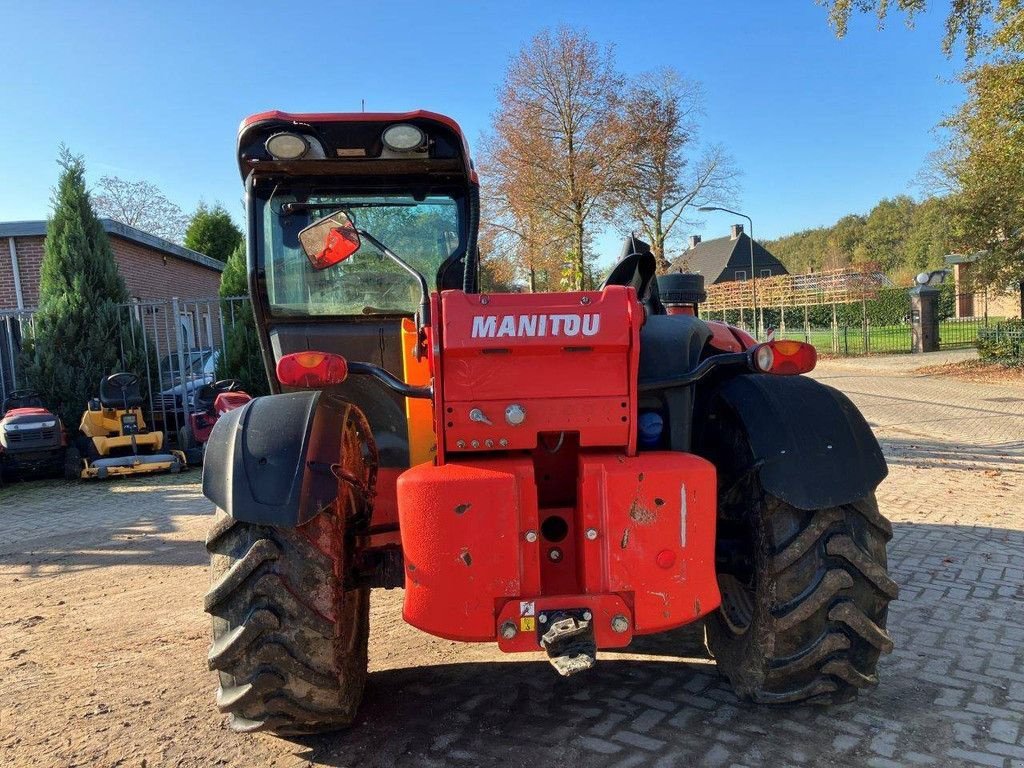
column 927, row 453
column 52, row 526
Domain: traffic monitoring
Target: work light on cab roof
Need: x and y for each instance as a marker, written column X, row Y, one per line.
column 287, row 146
column 404, row 138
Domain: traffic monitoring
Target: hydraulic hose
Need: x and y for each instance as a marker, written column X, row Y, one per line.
column 471, row 270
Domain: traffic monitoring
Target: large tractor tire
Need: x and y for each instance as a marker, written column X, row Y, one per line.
column 289, row 641
column 804, row 593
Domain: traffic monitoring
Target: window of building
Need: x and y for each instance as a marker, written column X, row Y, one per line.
column 741, row 274
column 766, row 273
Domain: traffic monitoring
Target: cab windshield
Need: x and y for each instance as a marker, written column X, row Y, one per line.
column 424, row 232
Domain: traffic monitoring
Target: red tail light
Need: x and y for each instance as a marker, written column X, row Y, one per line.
column 785, row 358
column 311, row 369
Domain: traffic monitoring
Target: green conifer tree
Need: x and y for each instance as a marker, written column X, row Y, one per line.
column 80, row 332
column 241, row 357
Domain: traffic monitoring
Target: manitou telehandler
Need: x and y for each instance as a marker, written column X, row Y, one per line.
column 556, row 472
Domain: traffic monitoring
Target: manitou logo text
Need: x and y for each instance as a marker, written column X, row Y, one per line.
column 495, row 327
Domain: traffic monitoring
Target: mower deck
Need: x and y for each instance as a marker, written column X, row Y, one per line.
column 134, row 465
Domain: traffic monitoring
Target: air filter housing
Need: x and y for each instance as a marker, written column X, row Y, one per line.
column 681, row 292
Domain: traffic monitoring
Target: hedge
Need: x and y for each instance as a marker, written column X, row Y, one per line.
column 1002, row 343
column 891, row 306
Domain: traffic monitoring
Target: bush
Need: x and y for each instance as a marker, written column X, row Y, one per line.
column 1002, row 343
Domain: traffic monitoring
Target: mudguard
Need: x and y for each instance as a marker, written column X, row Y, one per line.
column 812, row 447
column 269, row 462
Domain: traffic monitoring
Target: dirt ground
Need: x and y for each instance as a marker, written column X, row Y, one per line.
column 976, row 370
column 103, row 640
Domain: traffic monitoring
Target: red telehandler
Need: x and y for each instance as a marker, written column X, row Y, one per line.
column 556, row 472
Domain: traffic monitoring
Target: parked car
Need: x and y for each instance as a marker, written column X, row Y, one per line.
column 176, row 390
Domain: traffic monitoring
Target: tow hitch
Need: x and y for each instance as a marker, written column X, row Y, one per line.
column 569, row 641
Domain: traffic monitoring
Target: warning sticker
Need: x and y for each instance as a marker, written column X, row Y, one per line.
column 526, row 608
column 526, row 624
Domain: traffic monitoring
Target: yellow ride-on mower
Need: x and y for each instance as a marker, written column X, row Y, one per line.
column 115, row 440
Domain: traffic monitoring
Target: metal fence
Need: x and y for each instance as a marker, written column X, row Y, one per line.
column 868, row 339
column 15, row 326
column 181, row 341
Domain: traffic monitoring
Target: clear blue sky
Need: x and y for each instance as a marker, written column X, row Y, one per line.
column 821, row 127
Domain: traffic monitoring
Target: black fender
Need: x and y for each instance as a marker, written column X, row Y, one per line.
column 811, row 447
column 269, row 462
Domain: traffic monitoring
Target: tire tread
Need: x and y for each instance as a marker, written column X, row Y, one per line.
column 282, row 667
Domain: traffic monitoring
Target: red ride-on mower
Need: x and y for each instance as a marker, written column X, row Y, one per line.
column 32, row 439
column 211, row 402
column 558, row 473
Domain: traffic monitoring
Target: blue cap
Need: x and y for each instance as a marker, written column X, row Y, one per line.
column 650, row 427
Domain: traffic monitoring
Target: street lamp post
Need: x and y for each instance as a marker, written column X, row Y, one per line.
column 753, row 276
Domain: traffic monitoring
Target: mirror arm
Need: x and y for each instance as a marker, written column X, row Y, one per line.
column 424, row 290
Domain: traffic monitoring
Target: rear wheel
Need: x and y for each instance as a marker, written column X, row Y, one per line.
column 804, row 592
column 186, row 440
column 72, row 463
column 289, row 641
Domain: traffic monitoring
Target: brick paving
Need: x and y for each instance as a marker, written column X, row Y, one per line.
column 952, row 693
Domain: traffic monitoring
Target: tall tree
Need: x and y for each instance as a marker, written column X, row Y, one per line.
column 965, row 19
column 983, row 163
column 557, row 131
column 139, row 204
column 535, row 243
column 211, row 231
column 664, row 172
column 989, row 171
column 80, row 333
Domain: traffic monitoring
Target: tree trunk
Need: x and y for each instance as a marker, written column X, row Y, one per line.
column 578, row 265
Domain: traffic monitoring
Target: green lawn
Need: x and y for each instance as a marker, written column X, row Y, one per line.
column 888, row 339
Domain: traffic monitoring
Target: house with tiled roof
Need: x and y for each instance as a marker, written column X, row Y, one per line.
column 726, row 259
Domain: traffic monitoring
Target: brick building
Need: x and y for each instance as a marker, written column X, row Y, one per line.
column 972, row 301
column 152, row 268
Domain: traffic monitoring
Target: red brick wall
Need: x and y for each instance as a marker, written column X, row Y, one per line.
column 30, row 260
column 152, row 274
column 147, row 272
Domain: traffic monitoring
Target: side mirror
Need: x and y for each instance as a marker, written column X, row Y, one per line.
column 330, row 240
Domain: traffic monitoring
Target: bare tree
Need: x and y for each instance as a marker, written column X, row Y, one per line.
column 664, row 171
column 139, row 204
column 556, row 145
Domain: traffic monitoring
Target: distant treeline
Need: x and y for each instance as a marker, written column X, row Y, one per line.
column 901, row 236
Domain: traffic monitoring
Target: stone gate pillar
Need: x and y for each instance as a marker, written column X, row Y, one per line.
column 924, row 319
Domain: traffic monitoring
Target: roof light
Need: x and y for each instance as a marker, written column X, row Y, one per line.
column 404, row 138
column 287, row 146
column 784, row 357
column 311, row 369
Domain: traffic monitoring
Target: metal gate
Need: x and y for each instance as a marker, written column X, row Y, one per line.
column 182, row 340
column 15, row 327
